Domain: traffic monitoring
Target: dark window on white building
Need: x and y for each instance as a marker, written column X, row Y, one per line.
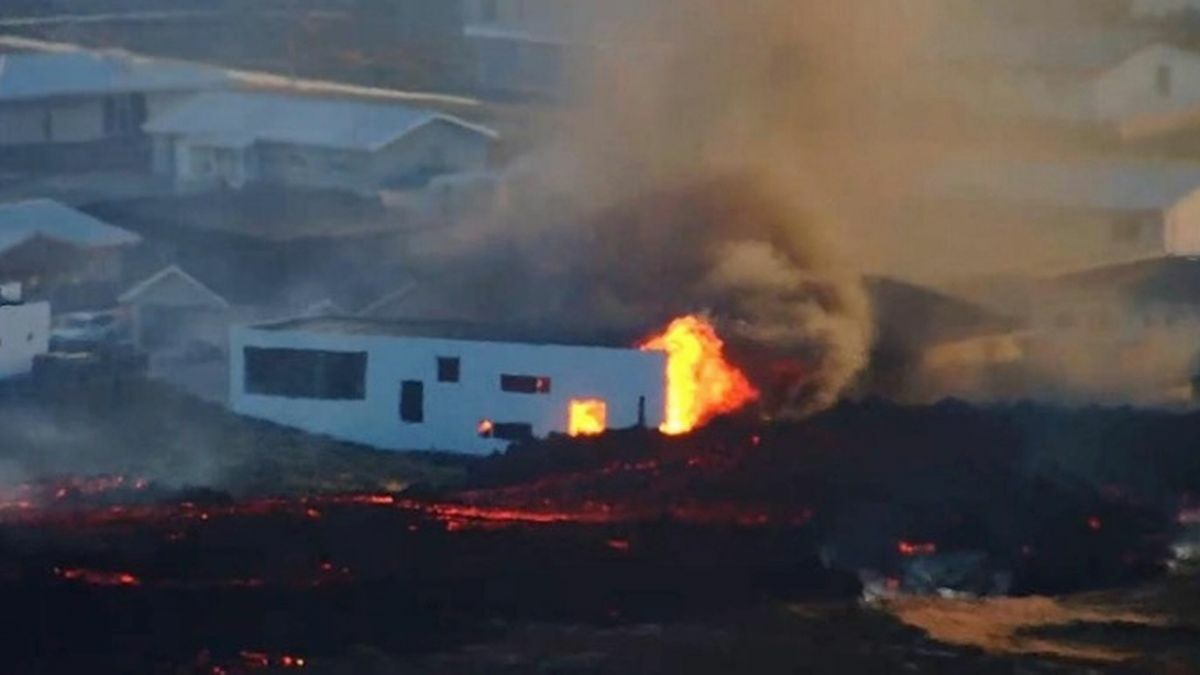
column 525, row 384
column 304, row 373
column 412, row 401
column 448, row 368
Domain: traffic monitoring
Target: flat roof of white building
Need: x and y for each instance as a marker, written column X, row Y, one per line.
column 447, row 330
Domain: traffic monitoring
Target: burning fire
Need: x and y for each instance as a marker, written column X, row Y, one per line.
column 701, row 384
column 588, row 417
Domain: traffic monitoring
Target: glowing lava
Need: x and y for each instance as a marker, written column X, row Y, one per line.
column 701, row 384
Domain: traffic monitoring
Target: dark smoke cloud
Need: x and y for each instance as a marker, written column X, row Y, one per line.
column 683, row 178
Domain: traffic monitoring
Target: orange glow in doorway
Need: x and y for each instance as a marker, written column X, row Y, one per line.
column 588, row 417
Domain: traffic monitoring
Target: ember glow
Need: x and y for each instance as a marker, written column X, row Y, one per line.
column 701, row 384
column 588, row 417
column 97, row 577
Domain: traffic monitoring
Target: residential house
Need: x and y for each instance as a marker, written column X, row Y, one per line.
column 1063, row 216
column 235, row 139
column 1130, row 331
column 172, row 310
column 438, row 385
column 55, row 250
column 58, row 108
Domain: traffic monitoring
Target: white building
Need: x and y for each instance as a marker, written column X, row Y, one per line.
column 1067, row 216
column 232, row 139
column 436, row 385
column 172, row 309
column 1154, row 80
column 45, row 244
column 76, row 97
column 24, row 332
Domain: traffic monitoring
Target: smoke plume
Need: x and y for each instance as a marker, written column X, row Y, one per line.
column 686, row 175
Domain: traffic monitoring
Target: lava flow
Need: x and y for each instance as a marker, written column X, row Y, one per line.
column 701, row 383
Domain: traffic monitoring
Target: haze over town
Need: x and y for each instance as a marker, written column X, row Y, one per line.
column 594, row 264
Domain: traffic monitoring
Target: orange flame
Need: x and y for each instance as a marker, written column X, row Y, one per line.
column 701, row 384
column 587, row 417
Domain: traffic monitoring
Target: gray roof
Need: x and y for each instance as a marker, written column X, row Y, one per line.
column 25, row 76
column 22, row 221
column 235, row 119
column 1103, row 185
column 468, row 331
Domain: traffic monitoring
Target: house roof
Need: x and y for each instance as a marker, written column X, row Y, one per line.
column 445, row 330
column 25, row 76
column 231, row 118
column 174, row 282
column 1163, row 279
column 25, row 220
column 915, row 315
column 1103, row 184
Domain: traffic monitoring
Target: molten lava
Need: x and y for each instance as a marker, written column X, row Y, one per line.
column 701, row 384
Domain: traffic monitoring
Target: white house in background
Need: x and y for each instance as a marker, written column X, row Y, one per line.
column 1083, row 74
column 1159, row 9
column 1070, row 215
column 437, row 385
column 1154, row 80
column 82, row 97
column 234, row 138
column 172, row 310
column 45, row 244
column 24, row 331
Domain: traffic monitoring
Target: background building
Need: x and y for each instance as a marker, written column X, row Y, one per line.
column 233, row 139
column 56, row 251
column 57, row 109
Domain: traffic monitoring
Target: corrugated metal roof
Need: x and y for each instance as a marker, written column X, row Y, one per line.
column 1116, row 186
column 332, row 123
column 41, row 75
column 22, row 221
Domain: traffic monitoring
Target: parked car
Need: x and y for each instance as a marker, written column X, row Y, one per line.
column 87, row 332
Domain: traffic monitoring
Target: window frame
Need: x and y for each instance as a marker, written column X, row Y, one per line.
column 532, row 385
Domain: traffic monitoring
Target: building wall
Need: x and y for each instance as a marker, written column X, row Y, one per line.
column 453, row 411
column 71, row 121
column 76, row 119
column 24, row 333
column 1158, row 79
